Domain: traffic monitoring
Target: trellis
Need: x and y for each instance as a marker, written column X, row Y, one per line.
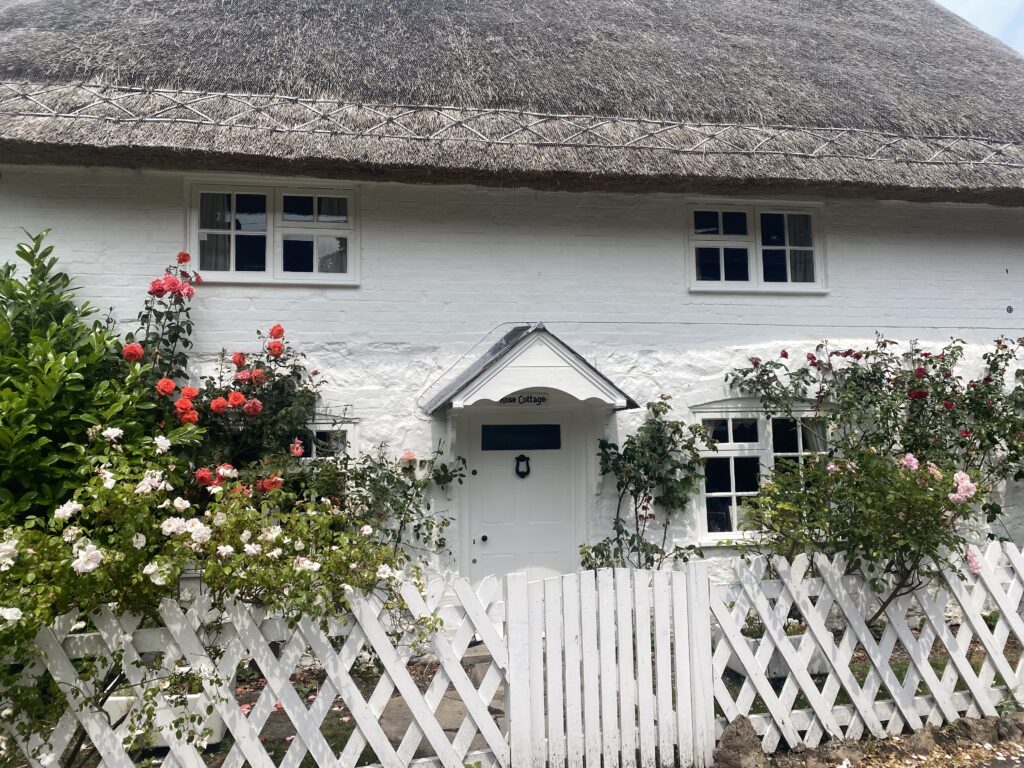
column 496, row 127
column 637, row 669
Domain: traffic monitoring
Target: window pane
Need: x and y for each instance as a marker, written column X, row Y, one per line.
column 214, row 211
column 802, row 266
column 297, row 208
column 748, row 470
column 250, row 253
column 332, row 254
column 784, row 439
column 330, row 442
column 705, row 222
column 251, row 213
column 734, row 223
column 708, row 267
column 813, row 434
column 774, row 266
column 736, row 264
column 744, row 430
column 332, row 209
column 297, row 252
column 799, row 230
column 773, row 229
column 521, row 437
column 719, row 429
column 214, row 252
column 716, row 476
column 719, row 517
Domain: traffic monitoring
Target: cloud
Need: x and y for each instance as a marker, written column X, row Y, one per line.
column 1002, row 18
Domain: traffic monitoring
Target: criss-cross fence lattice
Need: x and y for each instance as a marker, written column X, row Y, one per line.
column 636, row 669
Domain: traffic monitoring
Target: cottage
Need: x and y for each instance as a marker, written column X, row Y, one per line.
column 504, row 225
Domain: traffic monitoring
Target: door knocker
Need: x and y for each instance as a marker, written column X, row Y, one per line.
column 522, row 465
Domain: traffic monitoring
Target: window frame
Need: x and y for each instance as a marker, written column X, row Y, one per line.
column 326, row 424
column 277, row 227
column 764, row 449
column 752, row 242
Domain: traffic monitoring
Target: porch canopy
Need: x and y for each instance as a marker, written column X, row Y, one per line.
column 528, row 357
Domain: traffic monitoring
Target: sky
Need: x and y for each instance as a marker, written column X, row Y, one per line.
column 1002, row 18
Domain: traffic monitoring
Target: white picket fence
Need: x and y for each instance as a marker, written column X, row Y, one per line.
column 636, row 669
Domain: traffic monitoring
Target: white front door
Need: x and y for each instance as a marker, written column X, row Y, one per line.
column 522, row 492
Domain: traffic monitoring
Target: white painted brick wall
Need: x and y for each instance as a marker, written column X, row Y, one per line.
column 446, row 270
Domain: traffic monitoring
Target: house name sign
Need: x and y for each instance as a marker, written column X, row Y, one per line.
column 524, row 399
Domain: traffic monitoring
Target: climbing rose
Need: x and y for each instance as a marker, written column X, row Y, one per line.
column 965, row 489
column 188, row 417
column 252, row 407
column 189, row 392
column 755, row 361
column 812, row 357
column 183, row 404
column 219, row 405
column 258, row 375
column 277, row 331
column 235, row 399
column 296, row 448
column 204, row 476
column 948, row 405
column 917, row 394
column 183, row 257
column 165, row 386
column 275, row 349
column 966, row 433
column 920, row 373
column 238, row 359
column 132, row 352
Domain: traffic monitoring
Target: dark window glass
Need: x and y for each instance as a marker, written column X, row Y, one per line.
column 719, row 517
column 214, row 210
column 719, row 429
column 716, row 476
column 297, row 251
column 748, row 470
column 332, row 209
column 250, row 253
column 802, row 266
column 784, row 438
column 705, row 222
column 813, row 431
column 744, row 430
column 774, row 266
column 773, row 229
column 737, row 264
column 799, row 229
column 214, row 252
column 708, row 267
column 330, row 443
column 251, row 213
column 297, row 208
column 734, row 223
column 521, row 437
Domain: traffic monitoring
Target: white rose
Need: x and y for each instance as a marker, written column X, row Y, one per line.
column 213, row 490
column 70, row 534
column 299, row 546
column 271, row 533
column 245, row 536
column 10, row 614
column 275, row 553
column 163, row 445
column 181, row 504
column 366, row 530
column 66, row 510
column 78, row 625
column 305, row 564
column 156, row 574
column 201, row 534
column 225, row 550
column 385, row 572
column 6, row 714
column 8, row 553
column 112, row 433
column 138, row 541
column 172, row 525
column 108, row 478
column 88, row 560
column 253, row 549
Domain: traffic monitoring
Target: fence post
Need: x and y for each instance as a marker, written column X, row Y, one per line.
column 517, row 634
column 702, row 696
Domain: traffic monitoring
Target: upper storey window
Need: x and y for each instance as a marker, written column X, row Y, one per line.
column 759, row 249
column 275, row 234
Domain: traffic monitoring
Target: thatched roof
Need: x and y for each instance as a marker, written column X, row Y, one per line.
column 893, row 99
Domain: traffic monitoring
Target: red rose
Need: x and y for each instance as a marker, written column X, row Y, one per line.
column 920, row 373
column 238, row 359
column 132, row 352
column 252, row 407
column 811, row 356
column 165, row 386
column 948, row 405
column 183, row 257
column 188, row 417
column 235, row 399
column 219, row 405
column 917, row 394
column 258, row 375
column 784, row 354
column 156, row 288
column 183, row 404
column 189, row 392
column 197, row 278
column 987, row 380
column 966, row 433
column 243, row 376
column 755, row 361
column 268, row 484
column 275, row 348
column 204, row 476
column 277, row 331
column 296, row 448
